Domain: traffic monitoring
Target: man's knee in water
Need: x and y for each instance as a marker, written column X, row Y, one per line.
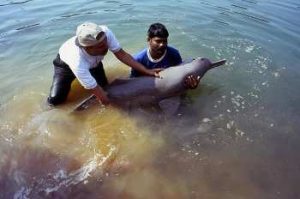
column 58, row 93
column 55, row 100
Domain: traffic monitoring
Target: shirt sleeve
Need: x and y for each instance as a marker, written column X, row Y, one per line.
column 85, row 78
column 71, row 55
column 80, row 68
column 113, row 43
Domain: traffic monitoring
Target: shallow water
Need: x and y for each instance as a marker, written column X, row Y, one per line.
column 235, row 136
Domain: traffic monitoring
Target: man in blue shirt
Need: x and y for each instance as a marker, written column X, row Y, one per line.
column 160, row 55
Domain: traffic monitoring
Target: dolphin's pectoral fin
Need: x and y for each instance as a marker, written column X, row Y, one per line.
column 120, row 81
column 170, row 105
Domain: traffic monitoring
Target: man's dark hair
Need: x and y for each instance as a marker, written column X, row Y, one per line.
column 158, row 30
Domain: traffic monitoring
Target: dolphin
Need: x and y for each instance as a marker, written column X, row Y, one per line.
column 150, row 90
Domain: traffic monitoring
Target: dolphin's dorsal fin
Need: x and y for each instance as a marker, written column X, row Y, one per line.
column 170, row 105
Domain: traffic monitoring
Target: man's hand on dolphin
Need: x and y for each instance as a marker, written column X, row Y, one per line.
column 101, row 95
column 191, row 81
column 156, row 72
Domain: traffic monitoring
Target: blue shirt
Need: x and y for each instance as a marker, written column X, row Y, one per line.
column 172, row 58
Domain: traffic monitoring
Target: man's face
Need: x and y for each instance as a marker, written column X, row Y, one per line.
column 99, row 49
column 158, row 45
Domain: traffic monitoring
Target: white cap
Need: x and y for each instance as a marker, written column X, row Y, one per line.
column 88, row 34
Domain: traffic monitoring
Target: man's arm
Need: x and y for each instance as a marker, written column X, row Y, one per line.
column 128, row 60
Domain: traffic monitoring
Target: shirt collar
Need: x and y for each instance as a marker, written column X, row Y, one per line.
column 155, row 60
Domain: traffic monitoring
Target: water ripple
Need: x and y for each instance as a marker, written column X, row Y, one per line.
column 28, row 26
column 125, row 4
column 256, row 18
column 15, row 2
column 222, row 22
column 250, row 1
column 238, row 6
column 70, row 15
column 111, row 1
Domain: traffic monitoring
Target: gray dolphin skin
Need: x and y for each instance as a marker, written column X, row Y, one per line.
column 150, row 90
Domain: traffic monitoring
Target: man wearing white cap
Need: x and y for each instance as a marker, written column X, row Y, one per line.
column 80, row 57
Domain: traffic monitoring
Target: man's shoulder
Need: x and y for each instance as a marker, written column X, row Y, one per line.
column 113, row 43
column 173, row 55
column 108, row 32
column 104, row 27
column 69, row 44
column 172, row 50
column 69, row 52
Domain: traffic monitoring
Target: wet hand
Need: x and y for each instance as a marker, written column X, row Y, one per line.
column 155, row 72
column 104, row 100
column 191, row 81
